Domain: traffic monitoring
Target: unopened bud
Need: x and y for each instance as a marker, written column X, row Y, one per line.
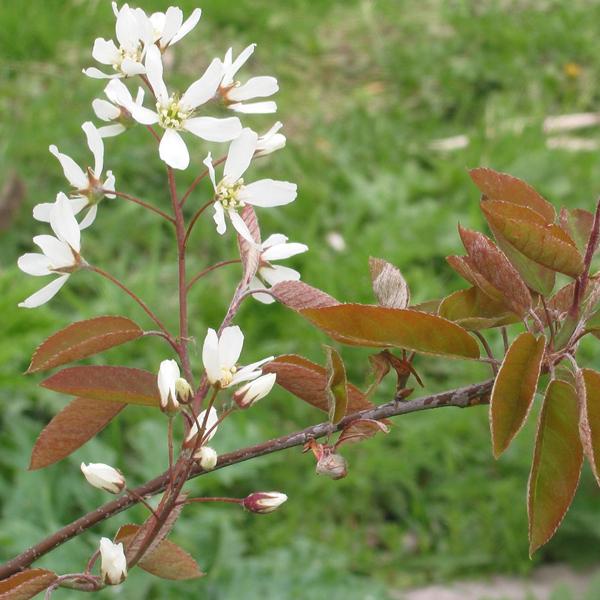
column 332, row 465
column 253, row 391
column 104, row 477
column 168, row 377
column 271, row 141
column 183, row 391
column 207, row 458
column 264, row 502
column 113, row 567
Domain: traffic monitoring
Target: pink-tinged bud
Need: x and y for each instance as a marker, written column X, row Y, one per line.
column 113, row 567
column 264, row 502
column 332, row 465
column 104, row 477
column 253, row 391
column 206, row 458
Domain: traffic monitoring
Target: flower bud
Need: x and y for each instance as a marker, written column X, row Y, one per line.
column 104, row 477
column 253, row 391
column 332, row 465
column 168, row 377
column 114, row 564
column 183, row 391
column 207, row 458
column 264, row 502
column 271, row 141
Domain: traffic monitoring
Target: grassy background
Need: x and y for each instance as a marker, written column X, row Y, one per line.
column 366, row 85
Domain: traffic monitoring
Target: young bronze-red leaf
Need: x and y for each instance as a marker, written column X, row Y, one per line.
column 26, row 584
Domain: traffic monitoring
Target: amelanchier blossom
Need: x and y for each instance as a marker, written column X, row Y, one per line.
column 210, row 428
column 114, row 110
column 134, row 35
column 60, row 254
column 206, row 458
column 275, row 247
column 253, row 391
column 263, row 503
column 167, row 380
column 169, row 27
column 271, row 141
column 175, row 114
column 113, row 566
column 220, row 356
column 88, row 187
column 232, row 193
column 104, row 477
column 235, row 93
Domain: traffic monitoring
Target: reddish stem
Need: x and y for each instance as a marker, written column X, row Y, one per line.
column 204, row 272
column 196, row 216
column 199, row 179
column 163, row 214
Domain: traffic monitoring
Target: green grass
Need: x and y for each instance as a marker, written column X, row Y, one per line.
column 365, row 87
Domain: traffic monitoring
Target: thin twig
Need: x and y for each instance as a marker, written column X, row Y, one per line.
column 146, row 205
column 199, row 179
column 204, row 272
column 488, row 351
column 194, row 219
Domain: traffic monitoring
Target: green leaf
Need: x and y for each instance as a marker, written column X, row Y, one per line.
column 26, row 584
column 83, row 339
column 114, row 384
column 514, row 389
column 381, row 327
column 589, row 399
column 389, row 285
column 72, row 427
column 556, row 466
column 337, row 385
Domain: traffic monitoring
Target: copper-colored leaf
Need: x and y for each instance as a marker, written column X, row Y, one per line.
column 589, row 399
column 389, row 285
column 474, row 310
column 556, row 466
column 547, row 245
column 360, row 430
column 379, row 326
column 83, row 339
column 493, row 265
column 298, row 295
column 114, row 384
column 514, row 389
column 465, row 267
column 308, row 381
column 26, row 584
column 337, row 385
column 167, row 560
column 72, row 427
column 504, row 187
column 249, row 253
column 578, row 224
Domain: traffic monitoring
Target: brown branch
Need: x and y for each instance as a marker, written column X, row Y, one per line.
column 471, row 395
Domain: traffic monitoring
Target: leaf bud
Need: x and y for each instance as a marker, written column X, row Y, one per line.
column 263, row 502
column 333, row 466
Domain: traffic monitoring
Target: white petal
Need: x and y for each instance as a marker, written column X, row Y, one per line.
column 256, row 284
column 211, row 170
column 214, row 130
column 154, row 70
column 104, row 110
column 240, row 226
column 219, row 218
column 143, row 115
column 211, row 422
column 41, row 212
column 172, row 23
column 89, row 218
column 78, row 204
column 98, row 74
column 111, row 130
column 210, row 356
column 34, row 264
column 240, row 155
column 139, row 97
column 269, row 192
column 64, row 224
column 173, row 151
column 96, row 145
column 230, row 346
column 256, row 87
column 188, row 25
column 116, row 91
column 73, row 172
column 106, row 52
column 58, row 252
column 127, row 29
column 275, row 239
column 168, row 374
column 251, row 371
column 254, row 108
column 46, row 293
column 145, row 29
column 131, row 68
column 205, row 88
column 239, row 62
column 278, row 273
column 283, row 251
column 109, row 185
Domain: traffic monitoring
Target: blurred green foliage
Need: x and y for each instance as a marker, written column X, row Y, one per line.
column 365, row 87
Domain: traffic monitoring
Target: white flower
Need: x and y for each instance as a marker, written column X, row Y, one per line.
column 114, row 564
column 264, row 502
column 104, row 477
column 207, row 458
column 168, row 28
column 232, row 193
column 210, row 428
column 116, row 111
column 275, row 247
column 271, row 141
column 60, row 253
column 220, row 355
column 235, row 93
column 254, row 391
column 175, row 114
column 168, row 375
column 134, row 34
column 88, row 187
